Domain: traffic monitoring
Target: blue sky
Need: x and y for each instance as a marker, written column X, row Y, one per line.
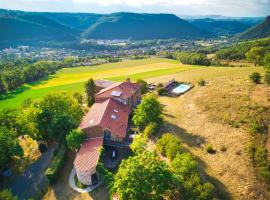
column 179, row 7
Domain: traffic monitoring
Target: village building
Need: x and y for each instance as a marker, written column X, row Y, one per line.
column 106, row 123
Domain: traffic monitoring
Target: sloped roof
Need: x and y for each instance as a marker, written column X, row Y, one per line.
column 88, row 155
column 103, row 83
column 115, row 118
column 126, row 89
column 94, row 116
column 109, row 114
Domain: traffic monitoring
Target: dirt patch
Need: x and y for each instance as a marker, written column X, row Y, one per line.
column 229, row 168
column 62, row 190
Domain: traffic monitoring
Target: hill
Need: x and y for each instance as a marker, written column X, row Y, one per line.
column 142, row 26
column 238, row 50
column 223, row 26
column 261, row 30
column 78, row 21
column 22, row 27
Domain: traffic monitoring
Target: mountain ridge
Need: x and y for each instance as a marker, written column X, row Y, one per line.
column 261, row 30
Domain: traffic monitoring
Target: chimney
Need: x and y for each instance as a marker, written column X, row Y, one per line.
column 128, row 80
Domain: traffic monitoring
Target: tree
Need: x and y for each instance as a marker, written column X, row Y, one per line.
column 186, row 170
column 148, row 111
column 78, row 96
column 255, row 55
column 169, row 145
column 7, row 195
column 267, row 60
column 139, row 144
column 267, row 77
column 9, row 147
column 90, row 91
column 255, row 77
column 150, row 129
column 59, row 114
column 184, row 166
column 28, row 121
column 2, row 86
column 143, row 84
column 9, row 119
column 74, row 139
column 143, row 176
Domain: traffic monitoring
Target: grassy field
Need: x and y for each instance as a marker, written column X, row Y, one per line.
column 216, row 115
column 72, row 80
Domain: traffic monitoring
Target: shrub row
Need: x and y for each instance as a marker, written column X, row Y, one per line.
column 52, row 173
column 185, row 169
column 169, row 146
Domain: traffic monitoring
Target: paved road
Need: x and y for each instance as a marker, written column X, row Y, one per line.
column 33, row 181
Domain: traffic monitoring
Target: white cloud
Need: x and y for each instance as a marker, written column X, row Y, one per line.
column 182, row 7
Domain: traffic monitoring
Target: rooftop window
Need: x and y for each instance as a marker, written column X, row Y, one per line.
column 116, row 93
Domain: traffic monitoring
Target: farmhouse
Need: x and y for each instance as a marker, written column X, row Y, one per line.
column 105, row 124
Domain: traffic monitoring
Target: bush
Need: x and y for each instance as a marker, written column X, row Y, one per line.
column 7, row 195
column 210, row 149
column 150, row 110
column 223, row 148
column 186, row 171
column 78, row 96
column 267, row 77
column 159, row 85
column 53, row 172
column 169, row 146
column 74, row 139
column 255, row 77
column 150, row 129
column 256, row 126
column 78, row 183
column 143, row 84
column 139, row 144
column 201, row 82
column 161, row 91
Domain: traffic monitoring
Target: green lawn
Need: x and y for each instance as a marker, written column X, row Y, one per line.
column 72, row 80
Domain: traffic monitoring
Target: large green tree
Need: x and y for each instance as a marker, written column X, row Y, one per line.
column 7, row 195
column 256, row 55
column 58, row 115
column 74, row 139
column 139, row 144
column 149, row 111
column 143, row 84
column 9, row 147
column 143, row 176
column 28, row 120
column 90, row 91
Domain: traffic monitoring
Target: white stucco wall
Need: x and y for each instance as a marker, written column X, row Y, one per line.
column 85, row 176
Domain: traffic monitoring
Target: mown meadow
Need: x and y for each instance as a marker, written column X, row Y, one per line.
column 72, row 80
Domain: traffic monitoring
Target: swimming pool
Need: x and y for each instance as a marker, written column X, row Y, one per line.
column 182, row 88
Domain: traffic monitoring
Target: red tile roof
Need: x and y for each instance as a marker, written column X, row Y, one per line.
column 88, row 155
column 109, row 114
column 115, row 118
column 94, row 116
column 103, row 83
column 127, row 89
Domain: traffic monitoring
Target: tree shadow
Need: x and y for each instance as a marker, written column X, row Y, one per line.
column 221, row 190
column 42, row 81
column 186, row 137
column 14, row 93
column 196, row 141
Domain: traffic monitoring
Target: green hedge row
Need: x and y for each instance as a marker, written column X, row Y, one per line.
column 52, row 173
